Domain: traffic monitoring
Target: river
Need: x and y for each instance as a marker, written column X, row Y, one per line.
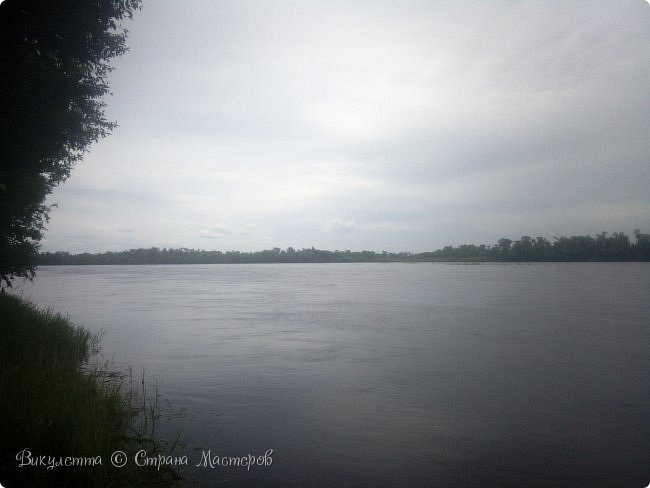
column 441, row 375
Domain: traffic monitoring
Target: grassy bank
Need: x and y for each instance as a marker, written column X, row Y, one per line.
column 55, row 403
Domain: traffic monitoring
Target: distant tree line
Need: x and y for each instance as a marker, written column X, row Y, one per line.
column 601, row 247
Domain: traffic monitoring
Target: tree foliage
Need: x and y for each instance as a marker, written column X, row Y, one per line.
column 54, row 62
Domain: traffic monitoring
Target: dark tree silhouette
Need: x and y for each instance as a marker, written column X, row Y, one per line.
column 54, row 61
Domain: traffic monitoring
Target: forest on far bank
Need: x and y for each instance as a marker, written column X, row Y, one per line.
column 601, row 247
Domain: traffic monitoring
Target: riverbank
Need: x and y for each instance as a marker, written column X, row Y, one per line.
column 61, row 415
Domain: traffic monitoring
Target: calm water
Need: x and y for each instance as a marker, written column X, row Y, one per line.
column 387, row 374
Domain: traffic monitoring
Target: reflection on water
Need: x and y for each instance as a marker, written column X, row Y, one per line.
column 387, row 374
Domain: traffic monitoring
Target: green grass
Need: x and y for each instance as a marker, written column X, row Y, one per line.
column 55, row 402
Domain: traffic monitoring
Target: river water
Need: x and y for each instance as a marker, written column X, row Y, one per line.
column 439, row 375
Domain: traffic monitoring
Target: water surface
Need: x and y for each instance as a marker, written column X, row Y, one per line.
column 386, row 374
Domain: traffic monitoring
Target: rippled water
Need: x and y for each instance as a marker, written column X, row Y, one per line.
column 386, row 374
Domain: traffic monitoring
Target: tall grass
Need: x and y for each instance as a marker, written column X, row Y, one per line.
column 55, row 402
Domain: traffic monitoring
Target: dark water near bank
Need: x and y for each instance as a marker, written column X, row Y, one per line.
column 387, row 374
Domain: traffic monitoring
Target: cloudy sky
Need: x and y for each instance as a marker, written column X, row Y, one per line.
column 396, row 125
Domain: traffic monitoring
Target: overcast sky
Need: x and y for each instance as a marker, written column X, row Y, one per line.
column 396, row 125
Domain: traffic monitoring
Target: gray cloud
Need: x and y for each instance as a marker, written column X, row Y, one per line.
column 216, row 232
column 340, row 226
column 396, row 126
